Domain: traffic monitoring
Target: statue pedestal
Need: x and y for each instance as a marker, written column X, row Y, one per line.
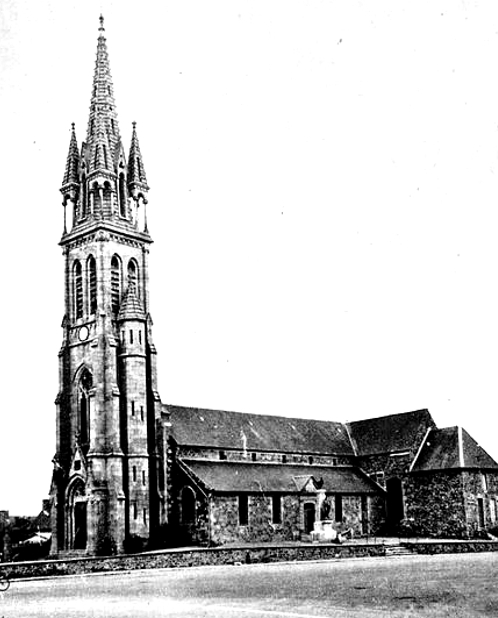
column 323, row 531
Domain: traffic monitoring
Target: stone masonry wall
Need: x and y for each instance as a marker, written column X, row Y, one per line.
column 226, row 528
column 234, row 555
column 435, row 504
column 478, row 486
column 192, row 557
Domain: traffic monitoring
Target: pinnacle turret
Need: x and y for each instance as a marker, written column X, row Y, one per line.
column 137, row 180
column 70, row 182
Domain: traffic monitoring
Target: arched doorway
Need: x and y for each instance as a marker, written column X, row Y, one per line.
column 395, row 503
column 188, row 532
column 188, row 512
column 309, row 517
column 77, row 516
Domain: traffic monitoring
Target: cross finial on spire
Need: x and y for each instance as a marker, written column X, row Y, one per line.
column 101, row 20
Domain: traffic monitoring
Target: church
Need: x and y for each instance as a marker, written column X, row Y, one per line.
column 132, row 473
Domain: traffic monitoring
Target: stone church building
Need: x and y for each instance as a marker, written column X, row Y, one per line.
column 131, row 472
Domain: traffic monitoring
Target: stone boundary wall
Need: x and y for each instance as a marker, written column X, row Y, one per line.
column 450, row 547
column 232, row 555
column 189, row 558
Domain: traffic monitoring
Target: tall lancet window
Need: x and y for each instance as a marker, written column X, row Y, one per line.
column 95, row 197
column 85, row 385
column 122, row 195
column 78, row 289
column 133, row 276
column 83, row 204
column 107, row 194
column 92, row 284
column 115, row 284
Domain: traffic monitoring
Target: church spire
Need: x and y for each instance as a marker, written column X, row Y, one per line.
column 103, row 140
column 102, row 187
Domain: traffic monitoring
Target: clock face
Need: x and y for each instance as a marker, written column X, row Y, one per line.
column 83, row 333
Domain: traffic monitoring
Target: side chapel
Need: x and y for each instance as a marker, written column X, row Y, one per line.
column 131, row 472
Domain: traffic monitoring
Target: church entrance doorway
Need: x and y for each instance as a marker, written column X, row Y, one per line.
column 309, row 517
column 80, row 525
column 77, row 516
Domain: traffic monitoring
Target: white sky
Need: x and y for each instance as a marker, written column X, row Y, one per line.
column 323, row 202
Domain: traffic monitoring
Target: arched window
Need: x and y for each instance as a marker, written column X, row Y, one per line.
column 92, row 284
column 83, row 205
column 78, row 289
column 115, row 284
column 188, row 505
column 133, row 276
column 107, row 195
column 95, row 196
column 122, row 195
column 84, row 386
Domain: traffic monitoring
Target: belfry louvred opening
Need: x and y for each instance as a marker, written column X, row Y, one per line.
column 131, row 473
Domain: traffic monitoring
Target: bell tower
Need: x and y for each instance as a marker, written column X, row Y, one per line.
column 105, row 492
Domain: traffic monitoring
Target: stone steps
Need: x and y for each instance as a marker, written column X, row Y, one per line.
column 398, row 550
column 69, row 553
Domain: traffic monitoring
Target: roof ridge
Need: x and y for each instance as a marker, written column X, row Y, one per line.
column 256, row 414
column 395, row 414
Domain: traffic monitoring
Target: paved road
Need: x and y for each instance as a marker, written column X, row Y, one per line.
column 456, row 586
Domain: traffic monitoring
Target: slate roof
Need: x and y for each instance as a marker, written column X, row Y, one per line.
column 452, row 448
column 388, row 434
column 131, row 307
column 231, row 476
column 237, row 430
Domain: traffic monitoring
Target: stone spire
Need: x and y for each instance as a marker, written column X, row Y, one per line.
column 98, row 181
column 137, row 180
column 103, row 141
column 70, row 182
